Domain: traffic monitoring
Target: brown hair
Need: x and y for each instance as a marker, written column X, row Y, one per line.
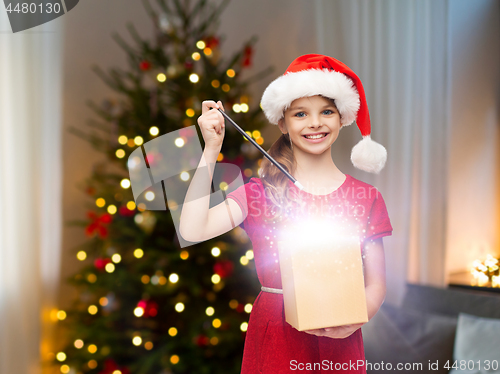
column 276, row 185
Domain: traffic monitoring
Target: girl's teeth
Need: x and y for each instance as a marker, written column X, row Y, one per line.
column 315, row 136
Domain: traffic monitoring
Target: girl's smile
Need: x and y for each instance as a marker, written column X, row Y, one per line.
column 316, row 137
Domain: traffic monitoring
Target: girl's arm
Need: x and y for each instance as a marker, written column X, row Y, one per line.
column 197, row 221
column 375, row 280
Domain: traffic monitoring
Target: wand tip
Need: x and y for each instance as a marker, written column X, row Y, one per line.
column 301, row 187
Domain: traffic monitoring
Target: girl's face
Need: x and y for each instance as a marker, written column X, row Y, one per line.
column 314, row 115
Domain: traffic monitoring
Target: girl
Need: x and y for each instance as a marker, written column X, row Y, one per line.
column 310, row 103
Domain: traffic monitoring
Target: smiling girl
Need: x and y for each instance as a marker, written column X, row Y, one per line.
column 310, row 103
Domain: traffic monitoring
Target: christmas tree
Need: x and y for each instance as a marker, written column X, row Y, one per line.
column 145, row 304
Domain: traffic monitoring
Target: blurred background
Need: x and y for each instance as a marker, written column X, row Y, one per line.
column 431, row 76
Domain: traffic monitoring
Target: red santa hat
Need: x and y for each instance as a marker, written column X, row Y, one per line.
column 314, row 74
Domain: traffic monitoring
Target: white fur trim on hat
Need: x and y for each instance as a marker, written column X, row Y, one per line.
column 369, row 155
column 282, row 91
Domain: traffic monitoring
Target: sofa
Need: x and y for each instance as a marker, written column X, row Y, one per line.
column 432, row 327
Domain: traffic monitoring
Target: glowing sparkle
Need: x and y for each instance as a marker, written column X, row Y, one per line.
column 78, row 344
column 125, row 183
column 172, row 331
column 138, row 253
column 179, row 307
column 120, row 153
column 154, row 130
column 173, row 278
column 92, row 348
column 109, row 268
column 215, row 251
column 248, row 308
column 215, row 278
column 179, row 142
column 138, row 312
column 194, row 78
column 216, row 323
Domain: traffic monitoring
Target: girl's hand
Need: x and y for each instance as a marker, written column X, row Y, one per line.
column 211, row 124
column 336, row 332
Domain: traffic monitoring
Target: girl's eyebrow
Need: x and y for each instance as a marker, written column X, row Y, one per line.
column 301, row 107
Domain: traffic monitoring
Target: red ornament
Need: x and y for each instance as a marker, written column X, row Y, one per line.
column 97, row 224
column 211, row 42
column 100, row 263
column 202, row 340
column 247, row 56
column 126, row 212
column 240, row 308
column 145, row 65
column 90, row 191
column 188, row 65
column 110, row 366
column 238, row 160
column 224, row 268
column 154, row 158
column 149, row 306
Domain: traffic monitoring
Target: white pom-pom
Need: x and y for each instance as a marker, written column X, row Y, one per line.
column 369, row 155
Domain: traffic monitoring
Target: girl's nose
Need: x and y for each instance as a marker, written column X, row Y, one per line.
column 315, row 121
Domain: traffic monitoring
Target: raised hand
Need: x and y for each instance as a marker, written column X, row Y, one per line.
column 212, row 125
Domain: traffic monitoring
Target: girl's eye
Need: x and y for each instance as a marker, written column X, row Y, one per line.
column 300, row 114
column 328, row 112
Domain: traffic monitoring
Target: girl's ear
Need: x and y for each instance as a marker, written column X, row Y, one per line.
column 281, row 125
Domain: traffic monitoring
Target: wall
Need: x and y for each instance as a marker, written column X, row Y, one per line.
column 474, row 165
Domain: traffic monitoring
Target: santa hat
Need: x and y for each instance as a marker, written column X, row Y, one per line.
column 314, row 74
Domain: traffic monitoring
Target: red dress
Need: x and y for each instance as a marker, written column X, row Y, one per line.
column 272, row 346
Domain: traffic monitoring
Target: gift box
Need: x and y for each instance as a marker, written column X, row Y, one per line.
column 323, row 282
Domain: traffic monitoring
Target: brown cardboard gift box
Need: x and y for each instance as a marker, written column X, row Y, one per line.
column 323, row 283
